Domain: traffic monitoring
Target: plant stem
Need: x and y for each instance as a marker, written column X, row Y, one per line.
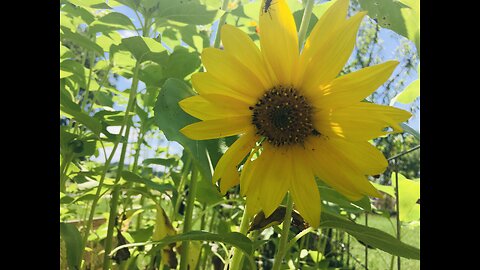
column 221, row 22
column 186, row 168
column 187, row 225
column 397, row 203
column 302, row 32
column 63, row 170
column 116, row 188
column 366, row 245
column 282, row 249
column 235, row 263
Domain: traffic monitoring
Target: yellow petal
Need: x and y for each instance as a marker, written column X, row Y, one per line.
column 217, row 128
column 205, row 84
column 204, row 109
column 249, row 169
column 353, row 87
column 232, row 157
column 329, row 59
column 363, row 155
column 231, row 72
column 238, row 44
column 279, row 40
column 274, row 179
column 360, row 122
column 326, row 26
column 338, row 171
column 304, row 190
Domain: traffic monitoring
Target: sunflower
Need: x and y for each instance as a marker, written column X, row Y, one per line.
column 295, row 117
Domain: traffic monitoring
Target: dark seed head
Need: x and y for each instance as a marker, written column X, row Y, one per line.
column 283, row 117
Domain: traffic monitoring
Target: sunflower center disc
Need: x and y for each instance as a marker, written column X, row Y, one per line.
column 283, row 116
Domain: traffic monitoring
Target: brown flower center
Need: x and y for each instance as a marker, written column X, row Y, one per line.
column 283, row 116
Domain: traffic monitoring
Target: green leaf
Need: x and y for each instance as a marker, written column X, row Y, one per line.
column 97, row 4
column 143, row 49
column 331, row 195
column 189, row 12
column 81, row 40
column 76, row 69
column 409, row 193
column 111, row 22
column 73, row 109
column 409, row 94
column 81, row 14
column 403, row 18
column 410, row 130
column 387, row 189
column 171, row 118
column 371, row 236
column 73, row 243
column 182, row 63
column 152, row 75
column 65, row 53
column 161, row 161
column 132, row 177
column 235, row 239
column 105, row 41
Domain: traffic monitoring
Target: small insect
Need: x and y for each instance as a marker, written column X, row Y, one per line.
column 315, row 132
column 266, row 7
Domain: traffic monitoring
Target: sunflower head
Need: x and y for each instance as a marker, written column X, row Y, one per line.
column 295, row 117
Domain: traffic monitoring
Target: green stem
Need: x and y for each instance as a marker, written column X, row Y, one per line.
column 302, row 32
column 282, row 248
column 397, row 203
column 236, row 261
column 186, row 168
column 116, row 188
column 87, row 90
column 366, row 246
column 216, row 44
column 63, row 170
column 187, row 226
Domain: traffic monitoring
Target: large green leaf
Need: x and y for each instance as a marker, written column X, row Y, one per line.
column 160, row 161
column 81, row 40
column 189, row 12
column 133, row 177
column 331, row 195
column 409, row 193
column 371, row 236
column 72, row 109
column 170, row 118
column 181, row 63
column 235, row 239
column 111, row 22
column 73, row 243
column 403, row 17
column 143, row 49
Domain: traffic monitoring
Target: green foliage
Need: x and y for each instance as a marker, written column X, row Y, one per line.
column 157, row 44
column 371, row 236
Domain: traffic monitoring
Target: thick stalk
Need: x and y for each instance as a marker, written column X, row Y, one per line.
column 302, row 32
column 187, row 225
column 235, row 263
column 116, row 188
column 282, row 248
column 216, row 44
